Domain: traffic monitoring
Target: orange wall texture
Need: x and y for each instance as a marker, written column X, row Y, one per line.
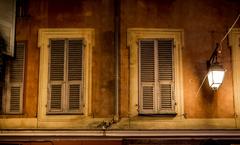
column 204, row 23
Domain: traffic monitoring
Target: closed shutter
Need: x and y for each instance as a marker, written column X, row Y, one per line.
column 165, row 75
column 66, row 72
column 16, row 80
column 75, row 60
column 15, row 99
column 17, row 65
column 156, row 76
column 75, row 68
column 57, row 60
column 56, row 97
column 147, row 76
column 74, row 97
column 56, row 74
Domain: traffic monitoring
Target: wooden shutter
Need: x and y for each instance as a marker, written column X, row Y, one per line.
column 147, row 76
column 75, row 69
column 75, row 60
column 165, row 75
column 57, row 51
column 16, row 80
column 74, row 97
column 57, row 60
column 17, row 65
column 15, row 99
column 56, row 97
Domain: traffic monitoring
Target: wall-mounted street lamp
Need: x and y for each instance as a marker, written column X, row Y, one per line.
column 216, row 71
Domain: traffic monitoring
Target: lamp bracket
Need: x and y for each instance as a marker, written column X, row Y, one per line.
column 214, row 57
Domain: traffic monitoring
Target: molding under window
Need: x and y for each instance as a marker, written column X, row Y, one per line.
column 126, row 135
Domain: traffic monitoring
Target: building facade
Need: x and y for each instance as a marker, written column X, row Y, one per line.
column 121, row 72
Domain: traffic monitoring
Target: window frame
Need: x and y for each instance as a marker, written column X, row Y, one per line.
column 234, row 42
column 133, row 36
column 44, row 36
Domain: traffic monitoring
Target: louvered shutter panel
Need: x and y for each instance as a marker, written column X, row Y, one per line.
column 75, row 69
column 17, row 65
column 57, row 51
column 75, row 60
column 56, row 97
column 57, row 60
column 148, row 93
column 147, row 76
column 165, row 76
column 15, row 99
column 74, row 97
column 16, row 79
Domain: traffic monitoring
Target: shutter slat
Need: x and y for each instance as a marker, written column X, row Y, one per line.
column 15, row 99
column 75, row 60
column 74, row 97
column 166, row 97
column 17, row 65
column 165, row 62
column 147, row 97
column 57, row 60
column 56, row 99
column 147, row 60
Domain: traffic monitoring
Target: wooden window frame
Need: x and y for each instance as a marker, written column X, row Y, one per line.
column 135, row 34
column 44, row 36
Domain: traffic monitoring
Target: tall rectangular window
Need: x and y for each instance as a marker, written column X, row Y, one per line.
column 155, row 71
column 156, row 76
column 65, row 76
column 11, row 89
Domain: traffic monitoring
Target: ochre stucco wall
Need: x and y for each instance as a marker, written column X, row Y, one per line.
column 204, row 23
column 71, row 14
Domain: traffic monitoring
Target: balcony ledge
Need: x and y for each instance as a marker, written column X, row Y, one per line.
column 74, row 134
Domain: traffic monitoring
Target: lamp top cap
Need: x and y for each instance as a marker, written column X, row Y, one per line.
column 216, row 67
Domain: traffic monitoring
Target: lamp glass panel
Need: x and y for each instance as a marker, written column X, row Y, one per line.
column 218, row 77
column 215, row 78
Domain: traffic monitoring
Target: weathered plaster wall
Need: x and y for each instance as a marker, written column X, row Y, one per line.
column 204, row 23
column 71, row 14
